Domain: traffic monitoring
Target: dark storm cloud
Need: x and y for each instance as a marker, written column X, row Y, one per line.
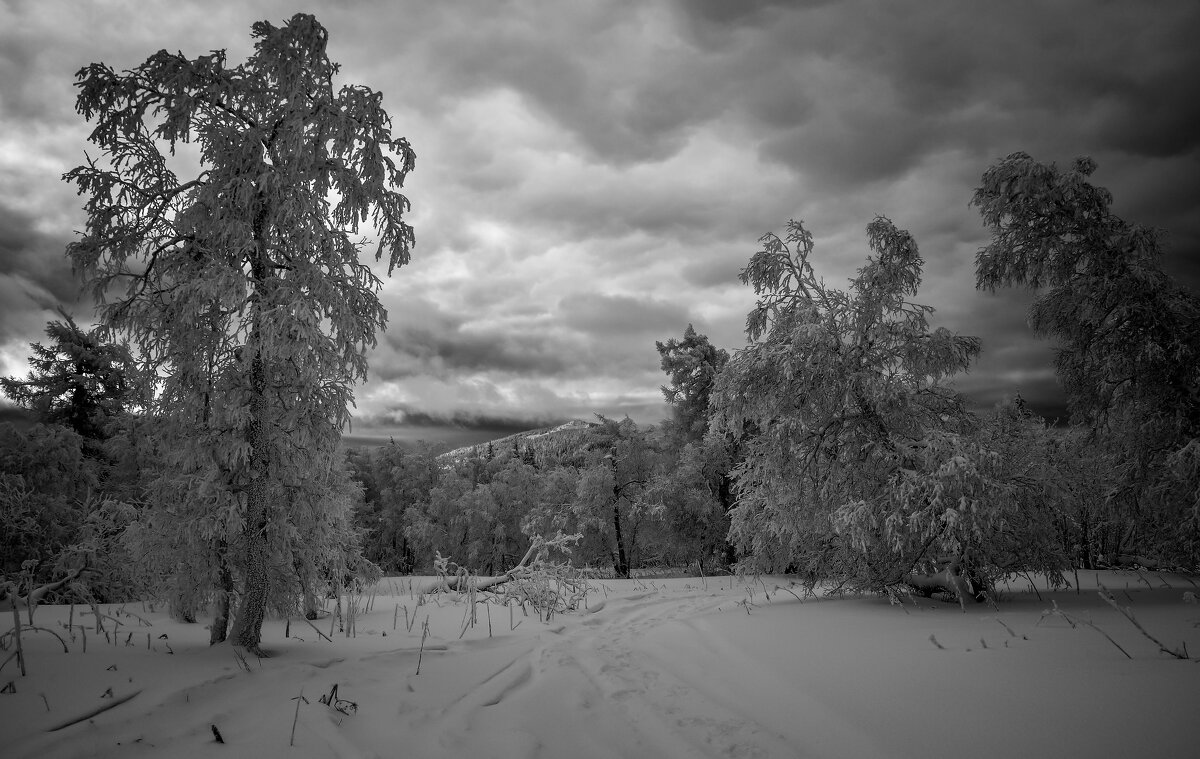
column 597, row 86
column 35, row 279
column 37, row 258
column 720, row 270
column 434, row 352
column 424, row 339
column 406, row 415
column 592, row 177
column 616, row 316
column 893, row 82
column 588, row 334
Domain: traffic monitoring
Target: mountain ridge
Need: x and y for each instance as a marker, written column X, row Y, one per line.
column 540, row 438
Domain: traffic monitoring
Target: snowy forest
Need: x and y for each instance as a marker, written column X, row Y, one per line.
column 187, row 448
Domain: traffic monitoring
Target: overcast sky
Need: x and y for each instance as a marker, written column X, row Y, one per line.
column 592, row 176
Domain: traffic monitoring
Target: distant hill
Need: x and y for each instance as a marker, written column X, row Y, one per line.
column 546, row 442
column 17, row 416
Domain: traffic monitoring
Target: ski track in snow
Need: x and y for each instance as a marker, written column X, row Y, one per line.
column 687, row 669
column 601, row 681
column 607, row 695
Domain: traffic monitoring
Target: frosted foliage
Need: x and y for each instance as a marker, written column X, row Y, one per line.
column 241, row 287
column 1127, row 348
column 858, row 462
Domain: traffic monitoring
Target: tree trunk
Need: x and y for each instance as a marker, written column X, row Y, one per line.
column 725, row 494
column 183, row 602
column 1085, row 540
column 622, row 566
column 220, row 623
column 247, row 630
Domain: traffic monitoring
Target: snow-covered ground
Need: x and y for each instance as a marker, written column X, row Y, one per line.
column 651, row 668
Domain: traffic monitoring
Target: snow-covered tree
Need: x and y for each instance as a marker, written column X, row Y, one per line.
column 77, row 380
column 241, row 284
column 848, row 433
column 1128, row 343
column 702, row 471
column 692, row 364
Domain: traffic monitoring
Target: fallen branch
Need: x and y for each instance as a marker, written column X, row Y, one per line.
column 948, row 580
column 323, row 635
column 27, row 628
column 10, row 600
column 98, row 710
column 445, row 583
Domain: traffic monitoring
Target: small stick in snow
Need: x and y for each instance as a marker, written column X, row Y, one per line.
column 421, row 652
column 88, row 715
column 1092, row 625
column 1126, row 612
column 141, row 619
column 17, row 631
column 798, row 598
column 323, row 635
column 295, row 716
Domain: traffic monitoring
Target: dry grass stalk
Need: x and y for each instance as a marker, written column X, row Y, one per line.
column 296, row 716
column 93, row 712
column 1071, row 621
column 1126, row 612
column 16, row 631
column 421, row 652
column 314, row 627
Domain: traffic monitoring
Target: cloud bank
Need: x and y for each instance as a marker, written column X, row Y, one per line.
column 591, row 177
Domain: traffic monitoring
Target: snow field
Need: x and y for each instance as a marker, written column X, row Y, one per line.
column 689, row 667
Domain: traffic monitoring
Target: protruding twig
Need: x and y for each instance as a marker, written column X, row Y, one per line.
column 295, row 716
column 323, row 635
column 92, row 713
column 1092, row 625
column 1128, row 614
column 421, row 651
